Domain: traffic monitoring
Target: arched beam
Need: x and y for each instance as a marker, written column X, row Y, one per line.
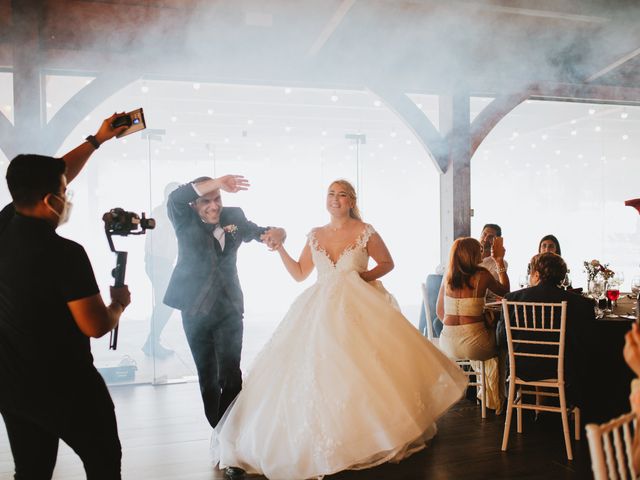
column 489, row 117
column 82, row 104
column 418, row 123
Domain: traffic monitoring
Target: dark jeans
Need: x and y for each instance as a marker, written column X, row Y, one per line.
column 216, row 343
column 87, row 425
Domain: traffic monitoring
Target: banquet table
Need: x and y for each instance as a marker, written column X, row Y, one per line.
column 611, row 377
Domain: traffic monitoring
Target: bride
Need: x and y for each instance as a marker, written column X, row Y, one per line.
column 346, row 381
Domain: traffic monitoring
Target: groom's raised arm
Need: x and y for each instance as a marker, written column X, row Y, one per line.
column 179, row 205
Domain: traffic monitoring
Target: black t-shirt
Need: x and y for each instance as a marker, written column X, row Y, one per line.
column 42, row 350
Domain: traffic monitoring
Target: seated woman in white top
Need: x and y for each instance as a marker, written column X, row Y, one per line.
column 460, row 307
column 461, row 301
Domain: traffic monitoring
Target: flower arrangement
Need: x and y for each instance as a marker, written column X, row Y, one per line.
column 594, row 268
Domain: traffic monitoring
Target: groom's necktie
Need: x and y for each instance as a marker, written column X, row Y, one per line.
column 218, row 235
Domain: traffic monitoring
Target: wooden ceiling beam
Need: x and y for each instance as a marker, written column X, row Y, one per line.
column 331, row 26
column 614, row 65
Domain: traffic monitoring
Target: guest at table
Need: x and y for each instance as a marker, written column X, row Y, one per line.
column 461, row 301
column 547, row 271
column 490, row 233
column 548, row 243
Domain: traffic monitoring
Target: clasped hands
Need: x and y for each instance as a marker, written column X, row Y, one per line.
column 273, row 238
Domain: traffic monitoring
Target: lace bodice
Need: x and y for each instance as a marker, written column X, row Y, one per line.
column 352, row 258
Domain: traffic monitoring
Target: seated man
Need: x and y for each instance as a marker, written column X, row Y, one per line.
column 547, row 271
column 489, row 233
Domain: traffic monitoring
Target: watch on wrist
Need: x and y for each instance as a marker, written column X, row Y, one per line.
column 93, row 141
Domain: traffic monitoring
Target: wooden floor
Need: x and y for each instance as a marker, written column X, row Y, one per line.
column 165, row 436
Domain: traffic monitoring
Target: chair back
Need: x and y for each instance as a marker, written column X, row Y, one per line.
column 535, row 330
column 610, row 445
column 428, row 316
column 427, row 309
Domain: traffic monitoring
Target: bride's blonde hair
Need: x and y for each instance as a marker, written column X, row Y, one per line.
column 354, row 212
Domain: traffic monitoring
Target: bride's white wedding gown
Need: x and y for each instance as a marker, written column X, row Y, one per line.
column 346, row 381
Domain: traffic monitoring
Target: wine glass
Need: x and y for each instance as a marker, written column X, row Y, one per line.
column 618, row 279
column 635, row 286
column 613, row 294
column 566, row 281
column 597, row 292
column 635, row 289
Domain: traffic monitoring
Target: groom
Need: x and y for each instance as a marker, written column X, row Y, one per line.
column 204, row 284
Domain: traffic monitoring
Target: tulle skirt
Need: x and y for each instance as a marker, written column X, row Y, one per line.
column 346, row 382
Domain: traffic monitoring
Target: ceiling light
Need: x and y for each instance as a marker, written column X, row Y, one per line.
column 598, row 128
column 196, row 86
column 377, row 103
column 334, row 98
column 287, row 91
column 625, row 137
column 174, row 119
column 574, row 132
column 210, row 111
column 624, row 115
column 592, row 111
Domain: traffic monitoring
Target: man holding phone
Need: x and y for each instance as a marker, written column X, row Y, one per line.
column 491, row 238
column 50, row 305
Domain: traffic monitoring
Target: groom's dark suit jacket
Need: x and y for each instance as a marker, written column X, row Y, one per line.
column 202, row 273
column 579, row 341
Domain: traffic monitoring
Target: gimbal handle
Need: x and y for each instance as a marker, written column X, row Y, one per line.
column 118, row 274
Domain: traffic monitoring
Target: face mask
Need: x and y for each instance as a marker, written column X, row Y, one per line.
column 63, row 216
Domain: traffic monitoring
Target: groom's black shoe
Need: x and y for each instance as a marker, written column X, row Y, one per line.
column 235, row 473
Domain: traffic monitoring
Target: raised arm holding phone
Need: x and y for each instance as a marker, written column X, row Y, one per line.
column 50, row 305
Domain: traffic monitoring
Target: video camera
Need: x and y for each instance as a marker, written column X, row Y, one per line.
column 118, row 221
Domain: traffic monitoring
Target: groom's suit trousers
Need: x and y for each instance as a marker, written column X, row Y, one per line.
column 216, row 344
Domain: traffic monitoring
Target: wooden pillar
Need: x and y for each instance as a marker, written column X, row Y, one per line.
column 27, row 84
column 455, row 183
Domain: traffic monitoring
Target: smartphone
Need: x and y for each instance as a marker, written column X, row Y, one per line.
column 134, row 120
column 497, row 242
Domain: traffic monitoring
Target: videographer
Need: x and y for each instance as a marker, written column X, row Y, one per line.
column 50, row 305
